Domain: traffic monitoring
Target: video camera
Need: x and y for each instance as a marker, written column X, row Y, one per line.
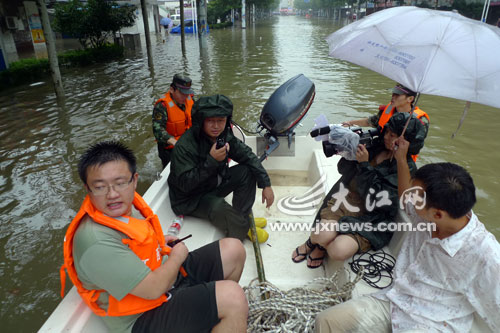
column 344, row 141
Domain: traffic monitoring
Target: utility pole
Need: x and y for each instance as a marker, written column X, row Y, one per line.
column 183, row 37
column 243, row 15
column 202, row 21
column 146, row 32
column 51, row 48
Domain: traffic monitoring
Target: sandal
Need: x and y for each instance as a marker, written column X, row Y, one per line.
column 310, row 247
column 310, row 259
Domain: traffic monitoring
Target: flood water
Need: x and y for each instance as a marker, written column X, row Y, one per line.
column 40, row 142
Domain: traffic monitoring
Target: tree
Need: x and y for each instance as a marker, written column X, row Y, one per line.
column 94, row 21
column 220, row 8
column 472, row 10
column 264, row 4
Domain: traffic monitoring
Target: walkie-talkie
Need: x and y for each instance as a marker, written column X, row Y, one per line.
column 220, row 142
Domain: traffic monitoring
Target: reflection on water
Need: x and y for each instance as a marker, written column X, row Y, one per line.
column 40, row 141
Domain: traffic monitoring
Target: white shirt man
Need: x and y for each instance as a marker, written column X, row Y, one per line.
column 441, row 277
column 439, row 284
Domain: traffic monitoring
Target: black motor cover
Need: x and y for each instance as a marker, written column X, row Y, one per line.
column 287, row 105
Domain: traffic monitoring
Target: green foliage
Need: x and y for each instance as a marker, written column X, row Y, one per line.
column 302, row 5
column 424, row 4
column 89, row 56
column 319, row 4
column 221, row 25
column 92, row 22
column 471, row 10
column 264, row 4
column 31, row 70
column 25, row 70
column 220, row 9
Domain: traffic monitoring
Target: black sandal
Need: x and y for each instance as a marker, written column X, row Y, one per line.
column 309, row 245
column 316, row 259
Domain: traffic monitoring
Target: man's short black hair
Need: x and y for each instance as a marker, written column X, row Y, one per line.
column 448, row 187
column 104, row 152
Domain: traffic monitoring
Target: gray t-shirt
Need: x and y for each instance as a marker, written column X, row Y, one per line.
column 102, row 261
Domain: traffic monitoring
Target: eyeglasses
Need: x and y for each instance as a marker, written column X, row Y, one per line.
column 103, row 190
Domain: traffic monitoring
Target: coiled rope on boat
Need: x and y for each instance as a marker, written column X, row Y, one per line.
column 274, row 310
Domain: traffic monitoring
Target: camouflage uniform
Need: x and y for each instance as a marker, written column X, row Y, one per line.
column 159, row 130
column 160, row 115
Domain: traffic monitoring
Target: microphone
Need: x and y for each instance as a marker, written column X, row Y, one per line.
column 320, row 131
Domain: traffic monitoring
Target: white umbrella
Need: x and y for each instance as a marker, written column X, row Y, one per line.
column 429, row 51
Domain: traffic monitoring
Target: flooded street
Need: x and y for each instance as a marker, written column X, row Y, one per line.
column 40, row 141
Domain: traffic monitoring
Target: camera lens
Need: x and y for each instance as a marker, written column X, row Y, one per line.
column 329, row 149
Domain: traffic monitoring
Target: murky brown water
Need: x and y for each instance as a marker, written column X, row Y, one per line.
column 41, row 142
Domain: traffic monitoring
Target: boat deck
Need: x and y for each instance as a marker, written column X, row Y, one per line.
column 278, row 249
column 296, row 179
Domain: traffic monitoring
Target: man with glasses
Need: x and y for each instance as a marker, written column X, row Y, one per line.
column 124, row 269
column 172, row 116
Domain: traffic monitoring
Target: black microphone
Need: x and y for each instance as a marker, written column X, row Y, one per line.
column 320, row 131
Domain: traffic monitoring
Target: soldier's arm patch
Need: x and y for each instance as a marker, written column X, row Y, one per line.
column 157, row 115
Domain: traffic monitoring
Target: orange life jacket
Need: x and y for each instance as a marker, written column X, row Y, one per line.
column 178, row 121
column 146, row 240
column 387, row 113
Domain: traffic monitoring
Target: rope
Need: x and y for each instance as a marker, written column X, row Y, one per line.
column 274, row 310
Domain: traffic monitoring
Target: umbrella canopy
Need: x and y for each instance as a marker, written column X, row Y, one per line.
column 165, row 21
column 429, row 51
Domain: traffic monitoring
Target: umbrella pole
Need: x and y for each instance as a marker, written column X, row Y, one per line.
column 407, row 122
column 486, row 8
column 466, row 109
column 411, row 113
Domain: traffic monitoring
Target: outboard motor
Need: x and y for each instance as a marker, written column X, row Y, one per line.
column 284, row 110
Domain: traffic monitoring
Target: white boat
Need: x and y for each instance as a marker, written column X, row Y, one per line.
column 290, row 175
column 298, row 175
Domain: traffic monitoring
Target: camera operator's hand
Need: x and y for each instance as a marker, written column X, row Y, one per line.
column 362, row 154
column 401, row 149
column 219, row 154
column 365, row 122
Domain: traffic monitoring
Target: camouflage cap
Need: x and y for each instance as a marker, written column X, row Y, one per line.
column 183, row 83
column 399, row 89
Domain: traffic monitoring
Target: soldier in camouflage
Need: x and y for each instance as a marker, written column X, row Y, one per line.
column 172, row 116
